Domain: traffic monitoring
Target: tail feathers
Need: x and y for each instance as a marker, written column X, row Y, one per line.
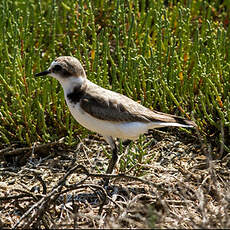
column 163, row 120
column 158, row 124
column 182, row 122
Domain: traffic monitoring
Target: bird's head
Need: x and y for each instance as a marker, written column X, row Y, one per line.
column 65, row 69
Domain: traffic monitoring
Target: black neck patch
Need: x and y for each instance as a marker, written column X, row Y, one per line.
column 76, row 95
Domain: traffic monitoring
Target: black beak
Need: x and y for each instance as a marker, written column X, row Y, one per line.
column 42, row 73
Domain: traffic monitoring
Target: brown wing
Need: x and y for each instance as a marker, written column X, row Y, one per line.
column 108, row 105
column 106, row 108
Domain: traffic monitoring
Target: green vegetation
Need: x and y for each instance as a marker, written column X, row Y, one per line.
column 172, row 57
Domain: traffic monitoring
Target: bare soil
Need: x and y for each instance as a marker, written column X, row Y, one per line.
column 177, row 183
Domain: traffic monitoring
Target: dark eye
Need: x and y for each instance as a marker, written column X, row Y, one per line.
column 57, row 68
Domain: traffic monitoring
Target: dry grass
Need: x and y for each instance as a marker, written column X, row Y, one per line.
column 176, row 185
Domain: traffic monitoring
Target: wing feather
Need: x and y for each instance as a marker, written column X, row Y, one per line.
column 108, row 105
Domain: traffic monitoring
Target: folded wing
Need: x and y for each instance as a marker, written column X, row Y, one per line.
column 116, row 107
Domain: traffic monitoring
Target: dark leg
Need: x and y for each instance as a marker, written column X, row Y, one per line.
column 113, row 160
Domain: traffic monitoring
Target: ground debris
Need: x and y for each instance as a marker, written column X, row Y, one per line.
column 173, row 185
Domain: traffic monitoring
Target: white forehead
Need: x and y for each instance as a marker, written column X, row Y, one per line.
column 53, row 64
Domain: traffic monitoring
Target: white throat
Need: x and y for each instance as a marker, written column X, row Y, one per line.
column 69, row 83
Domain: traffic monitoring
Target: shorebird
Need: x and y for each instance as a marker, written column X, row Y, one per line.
column 108, row 113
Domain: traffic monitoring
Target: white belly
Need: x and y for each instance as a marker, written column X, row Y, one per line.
column 123, row 130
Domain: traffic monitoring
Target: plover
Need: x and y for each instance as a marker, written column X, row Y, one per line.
column 108, row 113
